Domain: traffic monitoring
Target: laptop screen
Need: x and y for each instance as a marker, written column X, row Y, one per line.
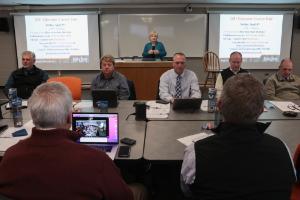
column 97, row 127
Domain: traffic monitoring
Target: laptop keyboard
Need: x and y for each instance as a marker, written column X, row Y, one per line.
column 103, row 148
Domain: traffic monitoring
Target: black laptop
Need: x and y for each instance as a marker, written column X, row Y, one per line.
column 188, row 103
column 104, row 94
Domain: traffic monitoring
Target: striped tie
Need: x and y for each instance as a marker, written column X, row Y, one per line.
column 178, row 87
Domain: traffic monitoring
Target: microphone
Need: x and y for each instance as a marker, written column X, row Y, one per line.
column 153, row 47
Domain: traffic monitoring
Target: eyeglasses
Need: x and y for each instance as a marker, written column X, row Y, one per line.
column 293, row 107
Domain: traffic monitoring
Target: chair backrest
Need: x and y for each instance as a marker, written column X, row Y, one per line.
column 72, row 82
column 132, row 94
column 211, row 62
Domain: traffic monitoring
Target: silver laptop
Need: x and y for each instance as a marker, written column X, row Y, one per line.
column 99, row 130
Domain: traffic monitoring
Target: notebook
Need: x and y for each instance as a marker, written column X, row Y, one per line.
column 188, row 103
column 100, row 130
column 105, row 94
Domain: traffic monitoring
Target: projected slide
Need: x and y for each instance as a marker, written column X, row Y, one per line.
column 258, row 37
column 58, row 39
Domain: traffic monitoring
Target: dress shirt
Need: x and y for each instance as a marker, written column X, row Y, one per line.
column 116, row 82
column 189, row 85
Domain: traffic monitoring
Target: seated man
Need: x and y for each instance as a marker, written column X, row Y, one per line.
column 27, row 78
column 178, row 82
column 49, row 164
column 111, row 79
column 240, row 161
column 283, row 85
column 235, row 62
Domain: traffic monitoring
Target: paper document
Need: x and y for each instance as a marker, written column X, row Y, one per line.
column 194, row 138
column 204, row 105
column 286, row 106
column 157, row 110
column 7, row 140
column 82, row 105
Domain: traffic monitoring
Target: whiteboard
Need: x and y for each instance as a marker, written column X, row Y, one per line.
column 124, row 35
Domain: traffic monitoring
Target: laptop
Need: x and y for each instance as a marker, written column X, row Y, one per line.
column 100, row 130
column 188, row 103
column 104, row 94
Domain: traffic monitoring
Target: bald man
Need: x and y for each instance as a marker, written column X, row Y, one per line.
column 235, row 61
column 283, row 85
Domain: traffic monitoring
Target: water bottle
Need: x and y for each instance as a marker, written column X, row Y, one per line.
column 17, row 112
column 12, row 94
column 212, row 100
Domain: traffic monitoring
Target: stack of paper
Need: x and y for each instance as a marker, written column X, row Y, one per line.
column 157, row 110
column 194, row 138
column 286, row 106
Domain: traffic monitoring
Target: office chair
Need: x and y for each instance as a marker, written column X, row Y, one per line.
column 211, row 65
column 296, row 188
column 132, row 94
column 157, row 91
column 72, row 82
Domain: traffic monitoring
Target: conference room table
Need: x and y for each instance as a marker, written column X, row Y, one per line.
column 161, row 142
column 127, row 128
column 157, row 138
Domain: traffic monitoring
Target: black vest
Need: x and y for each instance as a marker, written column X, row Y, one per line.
column 227, row 73
column 241, row 162
column 27, row 80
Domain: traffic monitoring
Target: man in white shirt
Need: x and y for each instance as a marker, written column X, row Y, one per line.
column 178, row 82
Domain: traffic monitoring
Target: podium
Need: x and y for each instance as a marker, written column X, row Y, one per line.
column 145, row 75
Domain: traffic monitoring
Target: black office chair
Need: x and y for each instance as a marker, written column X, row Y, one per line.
column 132, row 94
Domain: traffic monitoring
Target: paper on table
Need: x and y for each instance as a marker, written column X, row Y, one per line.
column 194, row 138
column 7, row 140
column 83, row 105
column 284, row 105
column 157, row 110
column 204, row 105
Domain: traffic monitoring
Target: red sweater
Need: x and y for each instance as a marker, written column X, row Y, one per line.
column 49, row 165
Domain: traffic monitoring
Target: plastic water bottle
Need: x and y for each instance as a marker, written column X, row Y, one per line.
column 12, row 94
column 212, row 100
column 17, row 112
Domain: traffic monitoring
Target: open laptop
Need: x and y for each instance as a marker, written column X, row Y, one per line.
column 188, row 103
column 100, row 130
column 104, row 94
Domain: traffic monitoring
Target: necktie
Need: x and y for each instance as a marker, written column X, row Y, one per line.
column 178, row 87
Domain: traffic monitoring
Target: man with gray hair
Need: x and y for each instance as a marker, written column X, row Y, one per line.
column 49, row 164
column 240, row 161
column 283, row 85
column 27, row 78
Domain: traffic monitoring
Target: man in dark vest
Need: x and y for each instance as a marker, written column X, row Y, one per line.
column 235, row 61
column 240, row 161
column 27, row 78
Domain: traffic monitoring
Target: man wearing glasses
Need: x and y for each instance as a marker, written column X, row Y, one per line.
column 178, row 82
column 283, row 85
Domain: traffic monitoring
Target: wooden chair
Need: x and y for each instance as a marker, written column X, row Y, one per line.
column 211, row 66
column 296, row 188
column 72, row 82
